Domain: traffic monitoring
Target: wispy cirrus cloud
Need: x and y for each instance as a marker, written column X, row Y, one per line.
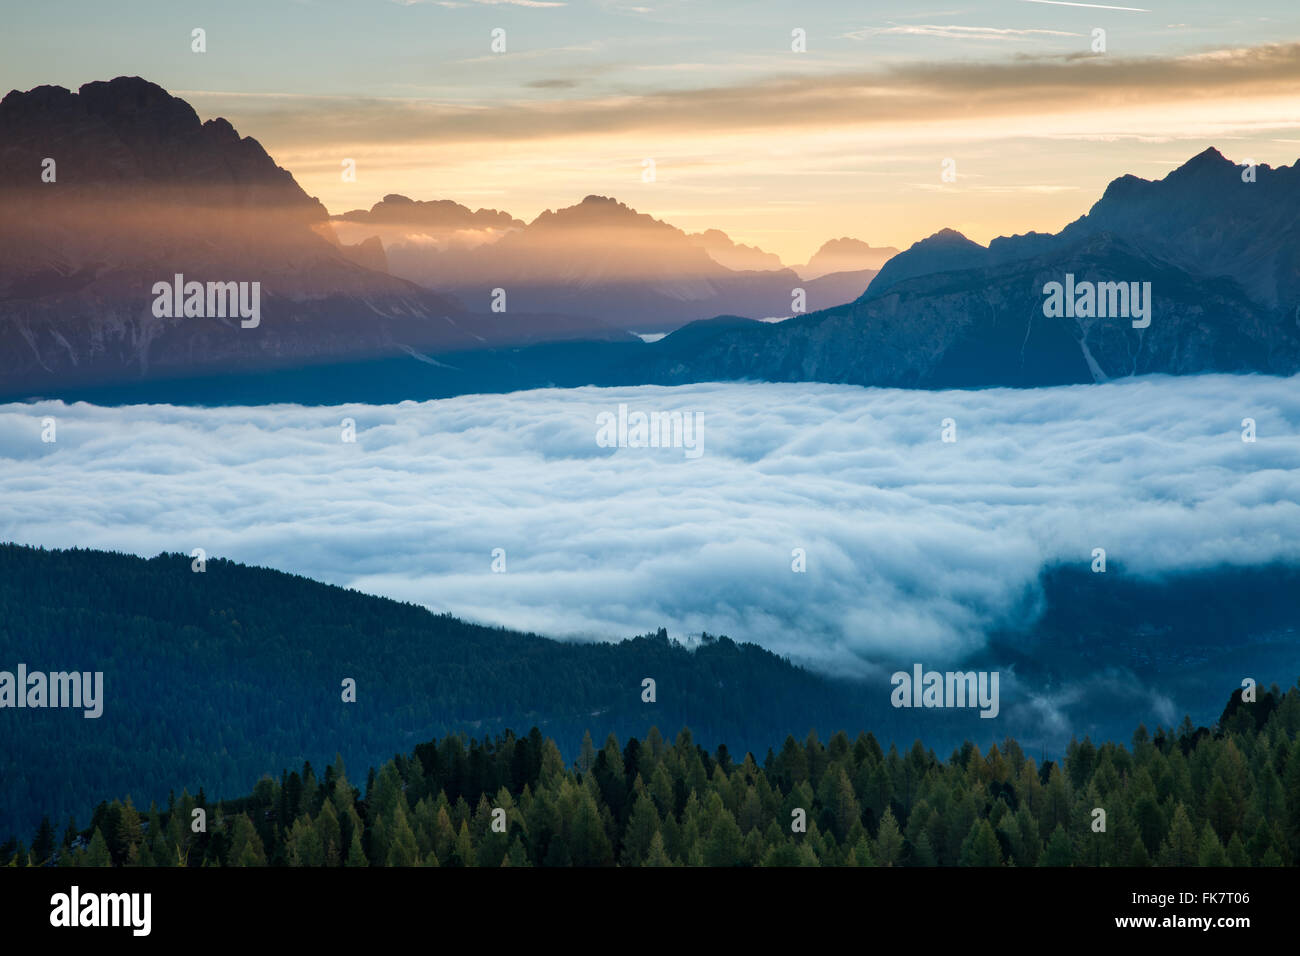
column 1093, row 6
column 484, row 3
column 914, row 92
column 955, row 32
column 548, row 139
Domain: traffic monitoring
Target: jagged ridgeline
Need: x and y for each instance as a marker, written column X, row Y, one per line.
column 1228, row 797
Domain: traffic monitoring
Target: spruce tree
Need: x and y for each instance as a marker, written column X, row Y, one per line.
column 980, row 848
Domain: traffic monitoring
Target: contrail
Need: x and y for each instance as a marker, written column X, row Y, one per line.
column 1095, row 6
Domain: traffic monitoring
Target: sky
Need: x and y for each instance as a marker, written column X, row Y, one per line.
column 911, row 545
column 778, row 148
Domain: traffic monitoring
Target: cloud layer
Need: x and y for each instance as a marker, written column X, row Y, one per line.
column 911, row 543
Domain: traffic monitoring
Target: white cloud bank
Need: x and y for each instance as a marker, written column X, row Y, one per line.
column 911, row 543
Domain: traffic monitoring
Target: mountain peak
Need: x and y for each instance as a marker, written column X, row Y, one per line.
column 843, row 243
column 945, row 251
column 1208, row 155
column 846, row 254
column 127, row 140
column 1207, row 163
column 128, row 92
column 946, row 236
column 437, row 214
column 599, row 211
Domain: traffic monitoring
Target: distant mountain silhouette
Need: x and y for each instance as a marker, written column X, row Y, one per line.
column 139, row 191
column 846, row 255
column 601, row 258
column 436, row 215
column 735, row 255
column 1221, row 251
column 142, row 191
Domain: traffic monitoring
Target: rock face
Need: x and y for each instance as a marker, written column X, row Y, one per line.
column 1221, row 254
column 119, row 186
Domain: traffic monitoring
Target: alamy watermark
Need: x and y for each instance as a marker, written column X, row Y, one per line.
column 76, row 689
column 923, row 688
column 215, row 300
column 1102, row 300
column 626, row 429
column 75, row 908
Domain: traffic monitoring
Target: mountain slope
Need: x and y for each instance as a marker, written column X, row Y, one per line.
column 601, row 258
column 214, row 678
column 140, row 191
column 1220, row 255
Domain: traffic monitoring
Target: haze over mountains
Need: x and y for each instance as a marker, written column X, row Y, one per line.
column 601, row 259
column 144, row 191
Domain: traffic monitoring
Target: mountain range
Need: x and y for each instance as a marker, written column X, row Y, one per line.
column 1218, row 248
column 400, row 297
column 118, row 186
column 603, row 260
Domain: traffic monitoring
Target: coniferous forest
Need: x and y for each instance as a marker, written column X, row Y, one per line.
column 213, row 679
column 1226, row 796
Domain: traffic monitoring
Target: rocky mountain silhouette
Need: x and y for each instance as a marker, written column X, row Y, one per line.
column 118, row 186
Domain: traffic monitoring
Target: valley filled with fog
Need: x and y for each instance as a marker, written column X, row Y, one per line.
column 911, row 544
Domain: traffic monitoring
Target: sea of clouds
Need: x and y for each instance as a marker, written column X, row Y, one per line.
column 912, row 543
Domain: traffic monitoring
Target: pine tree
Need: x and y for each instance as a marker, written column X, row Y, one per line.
column 923, row 851
column 864, row 852
column 724, row 846
column 517, row 855
column 97, row 853
column 356, row 856
column 402, row 848
column 331, row 833
column 587, row 755
column 303, row 844
column 1211, row 851
column 43, row 845
column 1059, row 852
column 889, row 841
column 656, row 855
column 462, row 853
column 641, row 828
column 590, row 846
column 784, row 853
column 246, row 847
column 1138, row 855
column 1182, row 847
column 842, row 803
column 980, row 848
column 1237, row 852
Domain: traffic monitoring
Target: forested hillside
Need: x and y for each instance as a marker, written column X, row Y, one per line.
column 1229, row 796
column 215, row 678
